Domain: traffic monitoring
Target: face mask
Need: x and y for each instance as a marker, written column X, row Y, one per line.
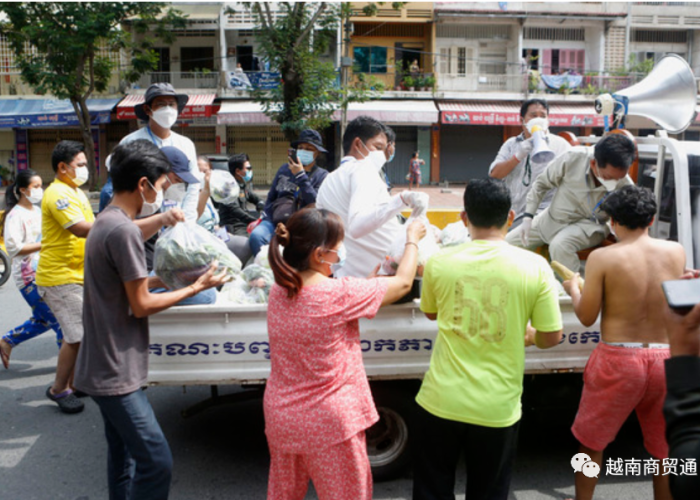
column 150, row 208
column 248, row 176
column 35, row 195
column 165, row 117
column 176, row 192
column 391, row 157
column 305, row 157
column 609, row 185
column 376, row 158
column 612, row 230
column 82, row 174
column 342, row 255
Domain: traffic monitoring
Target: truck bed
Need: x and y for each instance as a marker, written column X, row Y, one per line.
column 220, row 345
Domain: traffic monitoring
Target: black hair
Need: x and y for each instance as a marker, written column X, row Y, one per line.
column 615, row 150
column 304, row 232
column 134, row 160
column 364, row 127
column 415, row 154
column 66, row 151
column 12, row 194
column 487, row 202
column 526, row 105
column 633, row 207
column 390, row 134
column 236, row 162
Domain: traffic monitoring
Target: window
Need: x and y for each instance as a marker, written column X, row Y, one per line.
column 196, row 59
column 163, row 59
column 461, row 61
column 370, row 59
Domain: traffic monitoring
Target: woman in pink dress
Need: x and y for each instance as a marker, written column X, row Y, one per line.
column 414, row 175
column 317, row 401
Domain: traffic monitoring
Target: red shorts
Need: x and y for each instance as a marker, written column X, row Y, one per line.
column 616, row 381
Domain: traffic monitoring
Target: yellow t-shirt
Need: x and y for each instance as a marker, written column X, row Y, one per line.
column 62, row 255
column 484, row 293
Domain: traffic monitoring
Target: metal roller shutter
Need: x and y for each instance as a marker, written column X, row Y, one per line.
column 204, row 138
column 406, row 143
column 41, row 144
column 265, row 145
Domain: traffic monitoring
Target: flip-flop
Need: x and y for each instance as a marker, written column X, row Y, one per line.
column 66, row 401
column 5, row 358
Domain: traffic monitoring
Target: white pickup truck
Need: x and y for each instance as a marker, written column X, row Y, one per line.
column 215, row 345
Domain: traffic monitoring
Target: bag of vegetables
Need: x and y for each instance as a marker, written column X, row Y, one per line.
column 223, row 186
column 186, row 251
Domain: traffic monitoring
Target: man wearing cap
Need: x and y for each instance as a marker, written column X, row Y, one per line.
column 160, row 109
column 295, row 186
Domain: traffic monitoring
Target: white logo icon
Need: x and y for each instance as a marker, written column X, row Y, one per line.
column 578, row 460
column 590, row 469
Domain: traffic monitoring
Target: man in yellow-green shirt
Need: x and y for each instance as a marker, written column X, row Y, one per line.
column 482, row 294
column 66, row 217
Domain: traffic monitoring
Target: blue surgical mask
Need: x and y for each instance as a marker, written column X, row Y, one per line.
column 248, row 176
column 305, row 157
column 342, row 255
column 391, row 157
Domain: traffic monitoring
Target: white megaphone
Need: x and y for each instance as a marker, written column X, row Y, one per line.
column 540, row 149
column 668, row 96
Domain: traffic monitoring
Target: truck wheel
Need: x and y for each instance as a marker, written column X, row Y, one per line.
column 5, row 268
column 388, row 441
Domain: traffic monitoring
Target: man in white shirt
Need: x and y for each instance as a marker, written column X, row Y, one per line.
column 160, row 109
column 356, row 192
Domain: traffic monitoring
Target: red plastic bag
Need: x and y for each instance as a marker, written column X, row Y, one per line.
column 253, row 225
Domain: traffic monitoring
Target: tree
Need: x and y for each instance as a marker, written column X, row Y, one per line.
column 310, row 91
column 60, row 48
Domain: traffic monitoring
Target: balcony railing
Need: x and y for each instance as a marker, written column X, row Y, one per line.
column 395, row 81
column 181, row 80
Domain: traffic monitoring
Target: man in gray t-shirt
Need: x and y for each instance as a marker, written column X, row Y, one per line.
column 514, row 163
column 112, row 363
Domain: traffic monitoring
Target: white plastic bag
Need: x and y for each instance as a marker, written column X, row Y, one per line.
column 454, row 234
column 224, row 187
column 186, row 251
column 252, row 286
column 427, row 246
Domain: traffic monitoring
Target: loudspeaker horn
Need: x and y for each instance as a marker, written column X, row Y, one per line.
column 540, row 149
column 668, row 96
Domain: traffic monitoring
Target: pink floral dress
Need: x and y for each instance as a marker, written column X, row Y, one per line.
column 317, row 394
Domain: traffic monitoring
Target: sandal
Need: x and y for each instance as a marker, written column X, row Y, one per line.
column 5, row 356
column 66, row 401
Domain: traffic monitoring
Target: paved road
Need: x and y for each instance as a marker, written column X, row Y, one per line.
column 222, row 453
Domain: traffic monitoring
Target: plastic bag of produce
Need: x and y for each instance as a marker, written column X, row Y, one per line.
column 427, row 246
column 223, row 186
column 454, row 234
column 252, row 286
column 186, row 251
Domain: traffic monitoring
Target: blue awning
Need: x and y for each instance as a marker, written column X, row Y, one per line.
column 36, row 113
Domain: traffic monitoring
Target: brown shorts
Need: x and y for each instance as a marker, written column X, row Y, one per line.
column 66, row 303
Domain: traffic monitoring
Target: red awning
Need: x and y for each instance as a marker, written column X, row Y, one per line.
column 198, row 106
column 508, row 113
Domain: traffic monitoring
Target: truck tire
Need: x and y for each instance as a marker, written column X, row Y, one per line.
column 5, row 267
column 389, row 440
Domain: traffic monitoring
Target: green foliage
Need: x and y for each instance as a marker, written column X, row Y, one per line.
column 643, row 67
column 57, row 47
column 409, row 81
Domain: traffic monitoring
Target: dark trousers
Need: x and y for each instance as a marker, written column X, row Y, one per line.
column 139, row 462
column 490, row 453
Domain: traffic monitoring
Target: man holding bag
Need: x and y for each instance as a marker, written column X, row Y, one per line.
column 295, row 186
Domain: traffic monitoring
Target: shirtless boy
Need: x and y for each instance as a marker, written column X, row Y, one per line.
column 626, row 370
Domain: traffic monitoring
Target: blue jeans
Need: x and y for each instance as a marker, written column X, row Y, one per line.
column 139, row 462
column 261, row 235
column 42, row 320
column 204, row 297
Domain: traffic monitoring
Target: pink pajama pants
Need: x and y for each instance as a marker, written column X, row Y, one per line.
column 340, row 472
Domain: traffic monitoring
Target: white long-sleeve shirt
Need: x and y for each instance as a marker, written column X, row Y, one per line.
column 184, row 144
column 356, row 193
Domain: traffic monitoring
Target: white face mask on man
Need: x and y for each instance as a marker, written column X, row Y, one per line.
column 176, row 192
column 376, row 158
column 82, row 174
column 165, row 116
column 608, row 184
column 149, row 208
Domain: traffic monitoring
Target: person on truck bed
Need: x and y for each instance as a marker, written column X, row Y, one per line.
column 514, row 164
column 575, row 220
column 482, row 294
column 112, row 365
column 357, row 192
column 317, row 401
column 625, row 372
